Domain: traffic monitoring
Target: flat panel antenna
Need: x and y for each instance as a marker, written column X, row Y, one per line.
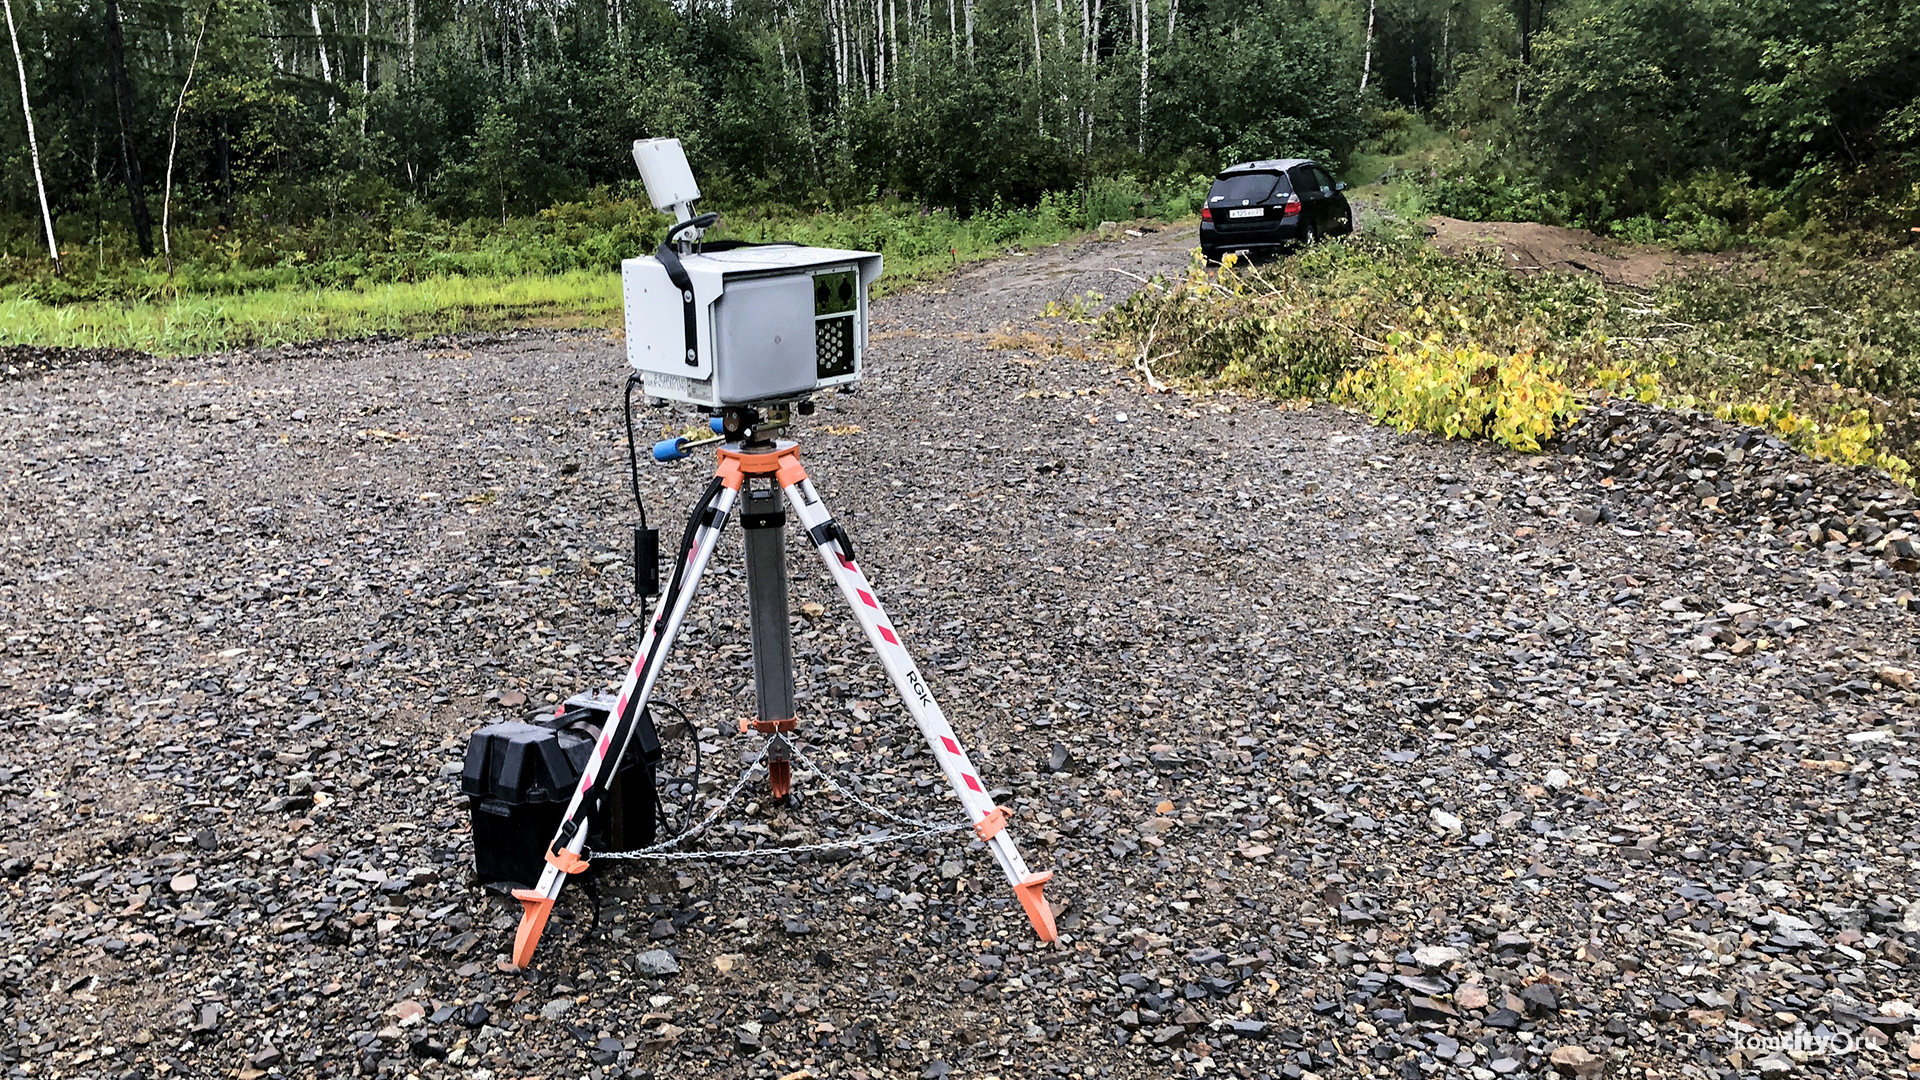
column 669, row 179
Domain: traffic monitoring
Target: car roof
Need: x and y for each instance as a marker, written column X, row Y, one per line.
column 1273, row 165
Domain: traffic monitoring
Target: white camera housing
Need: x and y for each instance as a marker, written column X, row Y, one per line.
column 757, row 323
column 772, row 323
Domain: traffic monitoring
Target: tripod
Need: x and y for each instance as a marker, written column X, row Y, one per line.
column 763, row 477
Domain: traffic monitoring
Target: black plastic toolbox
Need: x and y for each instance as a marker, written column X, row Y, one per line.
column 520, row 775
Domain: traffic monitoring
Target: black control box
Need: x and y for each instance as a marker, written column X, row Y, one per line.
column 520, row 775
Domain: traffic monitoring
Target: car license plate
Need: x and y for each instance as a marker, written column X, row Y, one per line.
column 1253, row 212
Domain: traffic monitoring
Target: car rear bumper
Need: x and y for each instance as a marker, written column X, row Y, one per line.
column 1254, row 237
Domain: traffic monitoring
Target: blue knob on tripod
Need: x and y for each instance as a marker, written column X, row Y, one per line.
column 718, row 424
column 670, row 449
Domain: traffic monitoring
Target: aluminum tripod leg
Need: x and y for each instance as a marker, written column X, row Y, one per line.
column 641, row 676
column 989, row 822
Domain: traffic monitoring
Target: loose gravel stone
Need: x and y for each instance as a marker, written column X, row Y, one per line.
column 1279, row 696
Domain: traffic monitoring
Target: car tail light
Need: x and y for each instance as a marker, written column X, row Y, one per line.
column 1293, row 205
column 1206, row 213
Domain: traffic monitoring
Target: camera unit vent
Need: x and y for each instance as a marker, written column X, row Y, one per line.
column 835, row 338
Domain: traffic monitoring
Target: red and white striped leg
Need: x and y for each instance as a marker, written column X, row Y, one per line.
column 537, row 902
column 989, row 821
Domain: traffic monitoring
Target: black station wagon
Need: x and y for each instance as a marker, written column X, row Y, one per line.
column 1263, row 206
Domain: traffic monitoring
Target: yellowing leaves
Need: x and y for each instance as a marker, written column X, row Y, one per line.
column 1460, row 393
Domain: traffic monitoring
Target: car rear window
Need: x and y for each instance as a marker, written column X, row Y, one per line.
column 1247, row 187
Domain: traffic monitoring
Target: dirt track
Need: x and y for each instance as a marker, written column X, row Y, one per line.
column 1355, row 754
column 1528, row 247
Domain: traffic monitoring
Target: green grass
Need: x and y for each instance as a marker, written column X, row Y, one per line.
column 200, row 324
column 413, row 276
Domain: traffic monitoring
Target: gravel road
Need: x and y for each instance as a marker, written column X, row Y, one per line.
column 1356, row 754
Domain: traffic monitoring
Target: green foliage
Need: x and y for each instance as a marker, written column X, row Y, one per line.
column 421, row 275
column 209, row 323
column 1294, row 326
column 1259, row 81
column 1835, row 345
column 313, row 128
column 1704, row 123
column 409, row 245
column 1479, row 183
column 1460, row 393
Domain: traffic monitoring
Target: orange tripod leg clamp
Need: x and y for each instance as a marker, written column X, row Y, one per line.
column 536, row 906
column 533, row 922
column 1039, row 911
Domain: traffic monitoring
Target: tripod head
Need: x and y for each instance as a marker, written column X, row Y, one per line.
column 752, row 426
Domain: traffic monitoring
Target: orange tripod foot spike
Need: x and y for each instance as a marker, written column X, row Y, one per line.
column 533, row 922
column 1039, row 910
column 780, row 778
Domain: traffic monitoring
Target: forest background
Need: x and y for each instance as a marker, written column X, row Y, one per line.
column 216, row 172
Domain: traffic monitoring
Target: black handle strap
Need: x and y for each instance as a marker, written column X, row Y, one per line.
column 677, row 273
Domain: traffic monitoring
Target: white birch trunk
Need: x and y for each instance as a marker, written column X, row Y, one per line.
column 969, row 9
column 865, row 59
column 33, row 141
column 1366, row 58
column 1093, row 70
column 1039, row 84
column 366, row 52
column 526, row 44
column 320, row 43
column 1146, row 60
column 173, row 141
column 836, row 49
column 1035, row 6
column 1173, row 11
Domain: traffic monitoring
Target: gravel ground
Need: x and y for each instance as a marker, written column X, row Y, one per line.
column 1355, row 754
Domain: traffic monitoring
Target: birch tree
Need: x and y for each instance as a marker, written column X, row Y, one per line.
column 1366, row 56
column 1146, row 60
column 173, row 140
column 33, row 141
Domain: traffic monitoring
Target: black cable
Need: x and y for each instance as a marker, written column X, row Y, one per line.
column 675, row 582
column 690, row 803
column 630, row 719
column 633, row 455
column 701, row 222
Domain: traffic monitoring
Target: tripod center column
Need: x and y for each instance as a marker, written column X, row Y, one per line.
column 763, row 518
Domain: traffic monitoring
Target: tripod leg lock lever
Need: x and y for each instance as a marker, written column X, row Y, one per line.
column 989, row 827
column 567, row 862
column 831, row 530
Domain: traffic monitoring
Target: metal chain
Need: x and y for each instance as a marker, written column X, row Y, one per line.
column 802, row 758
column 660, row 852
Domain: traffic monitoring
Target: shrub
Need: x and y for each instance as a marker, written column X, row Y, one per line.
column 1828, row 356
column 1461, row 393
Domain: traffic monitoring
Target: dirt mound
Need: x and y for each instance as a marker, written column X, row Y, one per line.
column 1528, row 247
column 1721, row 478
